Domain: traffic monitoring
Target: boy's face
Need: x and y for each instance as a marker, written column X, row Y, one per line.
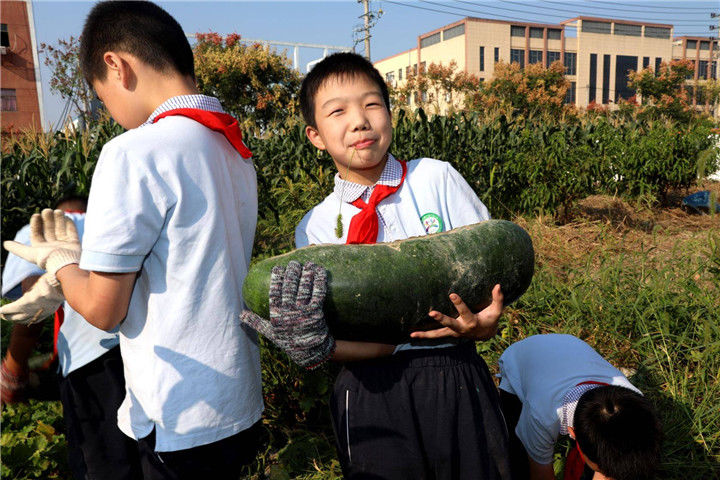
column 351, row 115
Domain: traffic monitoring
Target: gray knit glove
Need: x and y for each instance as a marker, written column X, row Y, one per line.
column 297, row 323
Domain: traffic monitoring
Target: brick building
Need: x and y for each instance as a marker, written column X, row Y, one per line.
column 19, row 76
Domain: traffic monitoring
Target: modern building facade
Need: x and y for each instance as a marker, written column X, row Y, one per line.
column 597, row 56
column 19, row 75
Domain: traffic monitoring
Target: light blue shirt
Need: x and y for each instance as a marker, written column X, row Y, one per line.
column 174, row 201
column 79, row 343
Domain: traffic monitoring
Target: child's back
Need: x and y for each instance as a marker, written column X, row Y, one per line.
column 187, row 223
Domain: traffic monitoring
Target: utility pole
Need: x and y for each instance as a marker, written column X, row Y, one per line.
column 362, row 32
column 366, row 4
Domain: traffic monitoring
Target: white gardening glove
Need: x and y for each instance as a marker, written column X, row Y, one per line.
column 54, row 242
column 41, row 300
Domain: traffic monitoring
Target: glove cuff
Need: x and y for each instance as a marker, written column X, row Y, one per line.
column 60, row 258
column 325, row 352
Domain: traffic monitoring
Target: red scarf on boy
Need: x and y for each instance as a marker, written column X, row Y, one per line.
column 217, row 121
column 365, row 225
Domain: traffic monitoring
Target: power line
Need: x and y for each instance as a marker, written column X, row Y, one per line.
column 690, row 22
column 564, row 16
column 674, row 11
column 671, row 9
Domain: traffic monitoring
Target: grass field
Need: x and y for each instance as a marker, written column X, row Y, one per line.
column 640, row 285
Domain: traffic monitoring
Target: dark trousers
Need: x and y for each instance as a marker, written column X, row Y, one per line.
column 420, row 414
column 219, row 460
column 511, row 408
column 91, row 396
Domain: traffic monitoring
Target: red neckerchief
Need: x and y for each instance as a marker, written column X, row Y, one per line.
column 217, row 121
column 364, row 226
column 575, row 463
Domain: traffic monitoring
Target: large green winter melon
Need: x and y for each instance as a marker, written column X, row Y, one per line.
column 384, row 291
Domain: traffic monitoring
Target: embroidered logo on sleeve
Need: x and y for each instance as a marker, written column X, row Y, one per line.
column 432, row 223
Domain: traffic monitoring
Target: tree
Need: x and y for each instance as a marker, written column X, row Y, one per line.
column 255, row 84
column 664, row 91
column 67, row 80
column 440, row 89
column 529, row 91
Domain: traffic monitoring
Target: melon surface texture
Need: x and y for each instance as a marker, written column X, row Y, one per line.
column 384, row 291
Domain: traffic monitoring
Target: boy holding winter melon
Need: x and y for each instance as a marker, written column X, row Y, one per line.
column 424, row 409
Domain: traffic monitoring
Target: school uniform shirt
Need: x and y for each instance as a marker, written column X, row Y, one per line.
column 79, row 343
column 174, row 201
column 433, row 198
column 547, row 372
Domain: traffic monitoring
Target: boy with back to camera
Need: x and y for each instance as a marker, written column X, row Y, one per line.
column 557, row 384
column 424, row 409
column 168, row 238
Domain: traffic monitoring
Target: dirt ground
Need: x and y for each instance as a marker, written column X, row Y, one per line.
column 604, row 223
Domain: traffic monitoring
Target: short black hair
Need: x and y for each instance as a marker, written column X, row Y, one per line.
column 617, row 429
column 78, row 202
column 337, row 65
column 139, row 28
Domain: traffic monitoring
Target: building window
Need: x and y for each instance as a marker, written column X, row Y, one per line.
column 570, row 63
column 595, row 27
column 517, row 56
column 482, row 59
column 704, row 45
column 4, row 35
column 422, row 67
column 658, row 61
column 593, row 77
column 702, row 68
column 517, row 31
column 691, row 44
column 390, row 78
column 570, row 95
column 606, row 79
column 554, row 33
column 657, row 32
column 399, row 73
column 415, row 69
column 646, row 62
column 535, row 56
column 453, row 32
column 623, row 65
column 536, row 32
column 9, row 100
column 630, row 30
column 431, row 40
column 552, row 57
column 497, row 54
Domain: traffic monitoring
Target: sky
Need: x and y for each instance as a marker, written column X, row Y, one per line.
column 333, row 22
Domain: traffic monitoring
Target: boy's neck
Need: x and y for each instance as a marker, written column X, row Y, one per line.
column 367, row 177
column 168, row 87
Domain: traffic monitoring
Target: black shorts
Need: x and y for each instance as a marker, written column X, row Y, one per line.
column 420, row 414
column 91, row 396
column 221, row 460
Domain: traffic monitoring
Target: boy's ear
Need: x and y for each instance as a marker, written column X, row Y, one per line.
column 314, row 136
column 118, row 68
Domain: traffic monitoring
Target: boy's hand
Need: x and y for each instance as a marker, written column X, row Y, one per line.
column 297, row 323
column 478, row 326
column 37, row 303
column 54, row 241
